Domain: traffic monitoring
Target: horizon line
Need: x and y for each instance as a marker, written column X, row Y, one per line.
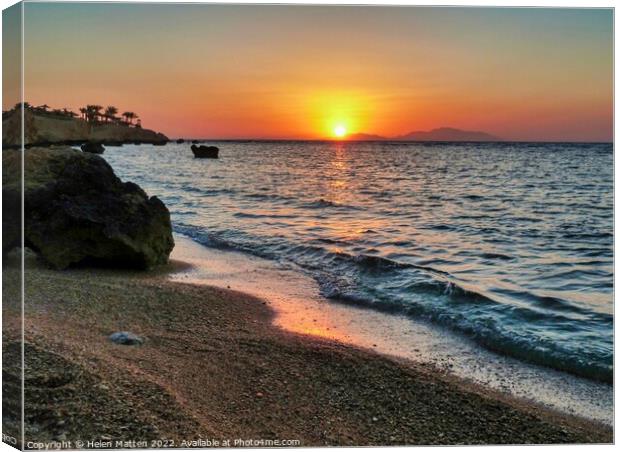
column 330, row 140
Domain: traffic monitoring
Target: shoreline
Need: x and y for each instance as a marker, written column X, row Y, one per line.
column 214, row 366
column 299, row 308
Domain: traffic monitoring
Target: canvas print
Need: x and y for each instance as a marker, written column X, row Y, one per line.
column 231, row 225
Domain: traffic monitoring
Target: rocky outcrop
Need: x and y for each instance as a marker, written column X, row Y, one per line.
column 205, row 152
column 46, row 130
column 93, row 148
column 77, row 211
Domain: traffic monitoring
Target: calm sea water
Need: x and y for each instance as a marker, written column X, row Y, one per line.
column 508, row 244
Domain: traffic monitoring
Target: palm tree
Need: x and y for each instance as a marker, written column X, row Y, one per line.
column 129, row 115
column 110, row 112
column 89, row 113
column 83, row 111
column 97, row 109
column 93, row 112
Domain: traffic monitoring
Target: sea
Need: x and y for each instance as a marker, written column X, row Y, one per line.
column 508, row 245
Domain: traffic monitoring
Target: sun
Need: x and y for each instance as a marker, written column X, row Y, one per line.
column 340, row 131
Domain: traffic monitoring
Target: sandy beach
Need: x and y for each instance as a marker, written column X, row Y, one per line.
column 214, row 368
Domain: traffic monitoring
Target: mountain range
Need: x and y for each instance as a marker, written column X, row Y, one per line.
column 439, row 134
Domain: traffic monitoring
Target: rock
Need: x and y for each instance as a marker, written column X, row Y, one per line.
column 205, row 152
column 77, row 211
column 126, row 338
column 94, row 148
column 180, row 141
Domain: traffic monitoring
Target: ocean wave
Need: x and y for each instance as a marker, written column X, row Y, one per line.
column 487, row 330
column 431, row 294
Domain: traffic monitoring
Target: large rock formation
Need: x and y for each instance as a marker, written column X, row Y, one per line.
column 205, row 152
column 78, row 211
column 43, row 129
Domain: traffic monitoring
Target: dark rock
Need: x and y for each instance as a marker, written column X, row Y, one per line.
column 180, row 141
column 77, row 211
column 205, row 152
column 93, row 148
column 126, row 338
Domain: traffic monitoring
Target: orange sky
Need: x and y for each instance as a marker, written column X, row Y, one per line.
column 297, row 72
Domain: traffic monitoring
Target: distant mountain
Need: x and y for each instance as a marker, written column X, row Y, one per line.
column 440, row 134
column 447, row 134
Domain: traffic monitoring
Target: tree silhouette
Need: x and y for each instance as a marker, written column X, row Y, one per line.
column 129, row 116
column 97, row 110
column 110, row 113
column 19, row 105
column 93, row 112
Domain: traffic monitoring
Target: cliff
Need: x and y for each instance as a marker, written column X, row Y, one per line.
column 43, row 129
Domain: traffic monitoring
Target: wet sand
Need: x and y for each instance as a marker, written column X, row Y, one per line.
column 214, row 367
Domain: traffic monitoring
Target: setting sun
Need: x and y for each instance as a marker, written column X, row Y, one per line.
column 340, row 131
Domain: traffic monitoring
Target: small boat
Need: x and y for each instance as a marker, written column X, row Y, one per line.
column 205, row 152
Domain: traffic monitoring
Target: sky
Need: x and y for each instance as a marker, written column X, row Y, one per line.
column 231, row 71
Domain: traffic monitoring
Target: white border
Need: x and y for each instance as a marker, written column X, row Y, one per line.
column 482, row 3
